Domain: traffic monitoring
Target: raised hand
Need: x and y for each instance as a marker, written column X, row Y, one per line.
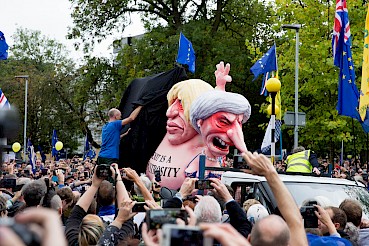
column 221, row 76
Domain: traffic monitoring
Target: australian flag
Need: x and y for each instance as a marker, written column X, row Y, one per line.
column 4, row 103
column 54, row 152
column 3, row 47
column 348, row 94
column 89, row 151
column 31, row 154
column 186, row 53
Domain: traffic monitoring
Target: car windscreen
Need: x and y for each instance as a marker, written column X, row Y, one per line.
column 336, row 193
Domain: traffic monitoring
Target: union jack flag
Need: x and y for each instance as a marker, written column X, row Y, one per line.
column 4, row 103
column 348, row 94
column 341, row 29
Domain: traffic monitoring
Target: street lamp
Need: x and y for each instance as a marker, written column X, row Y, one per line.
column 25, row 115
column 296, row 27
column 273, row 85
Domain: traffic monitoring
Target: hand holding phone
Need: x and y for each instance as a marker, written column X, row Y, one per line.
column 203, row 184
column 139, row 207
column 184, row 235
column 309, row 216
column 155, row 218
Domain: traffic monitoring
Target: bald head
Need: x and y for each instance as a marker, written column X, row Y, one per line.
column 114, row 113
column 270, row 231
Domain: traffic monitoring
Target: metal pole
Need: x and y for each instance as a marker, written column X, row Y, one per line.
column 272, row 151
column 296, row 27
column 296, row 132
column 25, row 115
column 25, row 120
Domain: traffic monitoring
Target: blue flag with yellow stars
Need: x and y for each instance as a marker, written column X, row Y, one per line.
column 3, row 47
column 267, row 63
column 348, row 94
column 186, row 53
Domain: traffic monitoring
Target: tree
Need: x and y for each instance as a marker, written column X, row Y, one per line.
column 318, row 77
column 50, row 74
column 157, row 50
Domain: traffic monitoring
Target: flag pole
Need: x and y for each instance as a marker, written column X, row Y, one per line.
column 353, row 134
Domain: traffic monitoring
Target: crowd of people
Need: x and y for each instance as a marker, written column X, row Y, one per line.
column 72, row 202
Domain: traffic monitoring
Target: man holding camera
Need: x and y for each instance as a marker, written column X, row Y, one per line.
column 111, row 136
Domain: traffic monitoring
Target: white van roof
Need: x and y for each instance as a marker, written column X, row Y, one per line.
column 231, row 177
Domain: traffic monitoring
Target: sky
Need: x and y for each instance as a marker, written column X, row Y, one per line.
column 52, row 18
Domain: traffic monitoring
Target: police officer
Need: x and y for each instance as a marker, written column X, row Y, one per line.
column 302, row 161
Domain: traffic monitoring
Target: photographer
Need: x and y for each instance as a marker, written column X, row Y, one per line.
column 83, row 229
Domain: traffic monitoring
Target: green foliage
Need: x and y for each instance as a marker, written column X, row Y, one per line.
column 318, row 77
column 50, row 73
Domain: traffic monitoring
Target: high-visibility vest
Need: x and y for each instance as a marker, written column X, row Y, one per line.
column 299, row 162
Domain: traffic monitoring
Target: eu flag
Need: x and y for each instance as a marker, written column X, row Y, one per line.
column 267, row 63
column 348, row 94
column 54, row 152
column 186, row 53
column 3, row 47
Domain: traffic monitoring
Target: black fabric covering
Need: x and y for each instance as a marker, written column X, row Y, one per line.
column 148, row 129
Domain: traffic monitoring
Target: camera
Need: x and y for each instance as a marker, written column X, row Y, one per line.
column 103, row 171
column 139, row 207
column 157, row 175
column 310, row 219
column 184, row 235
column 239, row 162
column 155, row 218
column 203, row 184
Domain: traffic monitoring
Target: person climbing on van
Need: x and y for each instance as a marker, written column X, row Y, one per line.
column 302, row 161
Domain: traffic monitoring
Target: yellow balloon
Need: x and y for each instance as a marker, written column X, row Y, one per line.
column 269, row 109
column 58, row 145
column 16, row 147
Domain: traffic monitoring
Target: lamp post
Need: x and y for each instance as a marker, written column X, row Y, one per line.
column 25, row 115
column 273, row 85
column 296, row 27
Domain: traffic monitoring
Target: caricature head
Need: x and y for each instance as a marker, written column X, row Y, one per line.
column 180, row 98
column 218, row 116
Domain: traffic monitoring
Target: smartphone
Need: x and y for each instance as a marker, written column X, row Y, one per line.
column 44, row 171
column 155, row 218
column 180, row 235
column 103, row 171
column 122, row 173
column 157, row 175
column 310, row 219
column 8, row 183
column 203, row 184
column 87, row 174
column 239, row 163
column 139, row 207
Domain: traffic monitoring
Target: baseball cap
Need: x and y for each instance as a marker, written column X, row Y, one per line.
column 256, row 212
